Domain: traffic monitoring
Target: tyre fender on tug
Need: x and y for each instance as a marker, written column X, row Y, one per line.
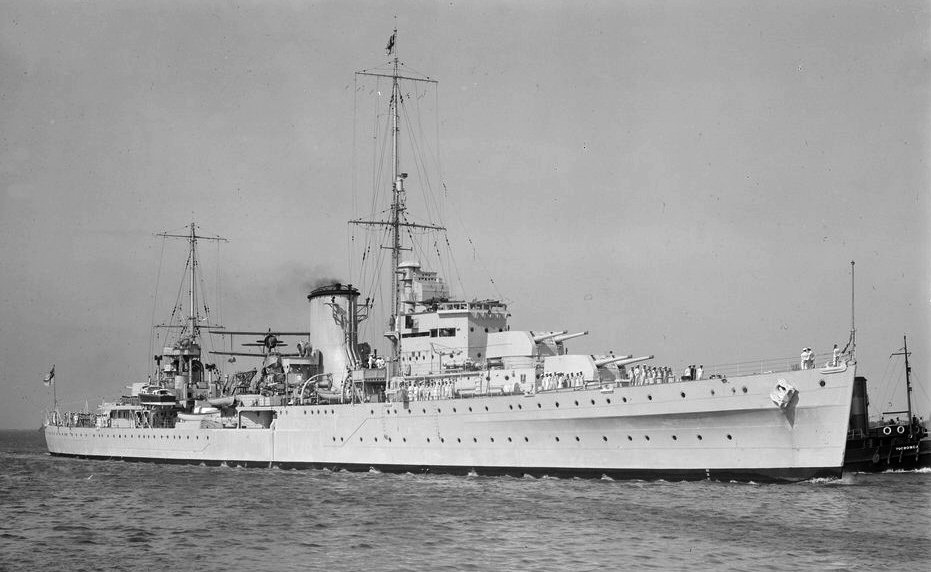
column 887, row 430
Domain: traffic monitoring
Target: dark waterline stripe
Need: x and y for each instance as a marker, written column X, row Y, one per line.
column 764, row 475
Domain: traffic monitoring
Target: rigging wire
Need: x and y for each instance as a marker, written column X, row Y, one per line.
column 158, row 277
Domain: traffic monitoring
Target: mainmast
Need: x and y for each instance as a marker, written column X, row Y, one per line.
column 396, row 219
column 192, row 237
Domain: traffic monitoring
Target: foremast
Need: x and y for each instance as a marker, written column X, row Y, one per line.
column 397, row 219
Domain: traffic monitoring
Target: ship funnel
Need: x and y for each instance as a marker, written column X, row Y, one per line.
column 333, row 327
column 611, row 359
column 543, row 337
column 564, row 336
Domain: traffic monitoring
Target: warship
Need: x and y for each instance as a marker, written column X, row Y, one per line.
column 460, row 391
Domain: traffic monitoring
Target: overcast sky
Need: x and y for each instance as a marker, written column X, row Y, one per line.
column 686, row 179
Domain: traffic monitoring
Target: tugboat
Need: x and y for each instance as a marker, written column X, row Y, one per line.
column 886, row 445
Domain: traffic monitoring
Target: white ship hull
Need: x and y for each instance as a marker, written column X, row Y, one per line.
column 724, row 429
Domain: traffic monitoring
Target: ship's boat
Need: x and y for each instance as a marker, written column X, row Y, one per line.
column 461, row 391
column 157, row 396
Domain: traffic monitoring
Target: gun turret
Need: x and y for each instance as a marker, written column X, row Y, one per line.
column 544, row 337
column 611, row 359
column 564, row 336
column 631, row 360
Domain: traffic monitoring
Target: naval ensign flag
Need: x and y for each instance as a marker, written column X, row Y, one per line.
column 50, row 378
column 390, row 47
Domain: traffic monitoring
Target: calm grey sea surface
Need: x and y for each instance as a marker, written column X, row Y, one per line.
column 70, row 514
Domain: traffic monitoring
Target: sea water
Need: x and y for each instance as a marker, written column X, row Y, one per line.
column 72, row 514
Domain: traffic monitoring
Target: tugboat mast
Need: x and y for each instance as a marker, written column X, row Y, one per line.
column 908, row 382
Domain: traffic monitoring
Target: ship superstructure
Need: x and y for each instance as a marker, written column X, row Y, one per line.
column 463, row 392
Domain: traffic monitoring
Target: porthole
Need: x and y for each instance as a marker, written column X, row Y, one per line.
column 577, row 439
column 821, row 383
column 674, row 438
column 526, row 440
column 682, row 394
column 458, row 440
column 305, row 412
column 576, row 403
column 557, row 404
column 557, row 439
column 389, row 439
column 624, row 399
column 539, row 406
column 699, row 437
column 475, row 439
column 470, row 409
column 519, row 406
column 733, row 390
column 510, row 440
column 712, row 392
column 424, row 409
column 729, row 437
column 340, row 439
column 404, row 439
column 360, row 439
column 650, row 397
column 593, row 401
column 492, row 439
column 376, row 439
column 442, row 440
column 454, row 409
column 334, row 439
column 647, row 437
column 744, row 389
column 428, row 439
column 604, row 438
column 371, row 412
column 486, row 408
column 511, row 406
column 438, row 410
column 608, row 401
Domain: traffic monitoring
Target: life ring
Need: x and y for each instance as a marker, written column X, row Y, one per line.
column 900, row 430
column 887, row 430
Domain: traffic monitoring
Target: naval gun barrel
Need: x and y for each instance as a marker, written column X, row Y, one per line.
column 611, row 359
column 631, row 360
column 544, row 337
column 564, row 336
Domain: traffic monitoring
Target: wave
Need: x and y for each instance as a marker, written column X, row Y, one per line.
column 920, row 471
